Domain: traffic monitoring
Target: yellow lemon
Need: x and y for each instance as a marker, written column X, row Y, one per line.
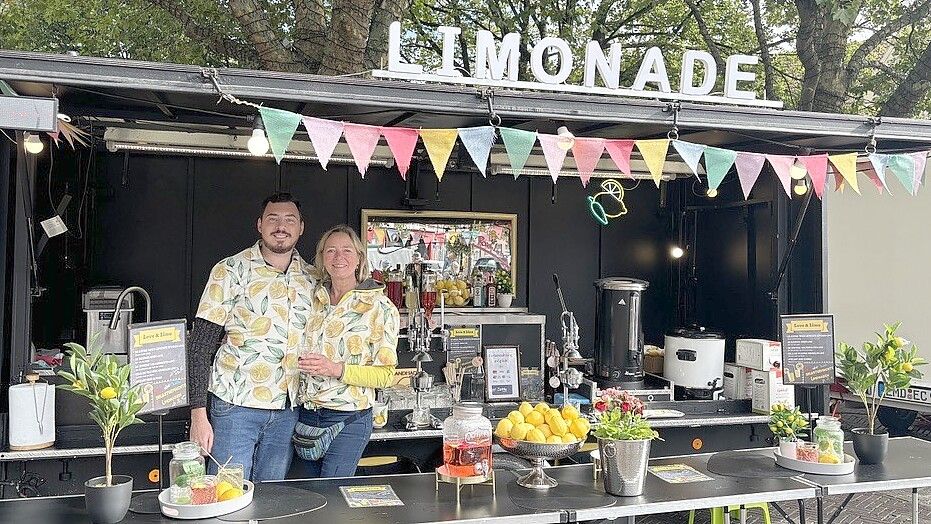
column 329, row 351
column 569, row 438
column 907, row 367
column 525, row 408
column 334, row 328
column 519, row 431
column 553, row 439
column 217, row 315
column 215, row 292
column 229, row 361
column 354, row 344
column 536, row 436
column 278, row 290
column 107, row 393
column 265, row 271
column 223, row 487
column 553, row 415
column 504, row 427
column 230, row 494
column 235, row 338
column 260, row 372
column 376, row 334
column 315, row 323
column 362, row 307
column 290, row 361
column 387, row 356
column 558, row 426
column 542, row 407
column 579, row 427
column 293, row 339
column 534, row 417
column 545, row 428
column 256, row 288
column 516, row 417
column 281, row 311
column 261, row 326
column 262, row 393
column 218, row 273
column 283, row 386
column 379, row 420
column 569, row 412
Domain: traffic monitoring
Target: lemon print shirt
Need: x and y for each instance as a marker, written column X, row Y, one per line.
column 264, row 312
column 361, row 331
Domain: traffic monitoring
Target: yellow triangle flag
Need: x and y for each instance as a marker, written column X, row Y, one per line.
column 439, row 143
column 654, row 154
column 846, row 165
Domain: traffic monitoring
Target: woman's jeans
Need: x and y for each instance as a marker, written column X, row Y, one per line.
column 259, row 439
column 342, row 457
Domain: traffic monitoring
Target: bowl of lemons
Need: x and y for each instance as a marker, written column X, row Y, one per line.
column 539, row 433
column 456, row 291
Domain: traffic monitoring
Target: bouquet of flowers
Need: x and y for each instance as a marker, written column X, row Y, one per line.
column 621, row 417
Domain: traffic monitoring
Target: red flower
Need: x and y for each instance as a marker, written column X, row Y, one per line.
column 601, row 405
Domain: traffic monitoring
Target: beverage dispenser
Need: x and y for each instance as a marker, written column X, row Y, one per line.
column 619, row 332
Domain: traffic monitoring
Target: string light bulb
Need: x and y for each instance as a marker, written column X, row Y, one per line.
column 33, row 144
column 566, row 138
column 676, row 252
column 800, row 188
column 258, row 142
column 797, row 172
column 712, row 192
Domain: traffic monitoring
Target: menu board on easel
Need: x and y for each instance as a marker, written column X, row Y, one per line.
column 807, row 349
column 465, row 342
column 158, row 364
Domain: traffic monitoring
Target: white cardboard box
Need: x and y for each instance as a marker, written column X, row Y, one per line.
column 738, row 382
column 768, row 390
column 755, row 353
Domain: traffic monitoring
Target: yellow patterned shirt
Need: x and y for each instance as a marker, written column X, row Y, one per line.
column 360, row 330
column 264, row 312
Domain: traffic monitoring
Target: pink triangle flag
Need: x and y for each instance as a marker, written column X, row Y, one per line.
column 554, row 155
column 781, row 165
column 362, row 140
column 620, row 153
column 749, row 166
column 324, row 134
column 587, row 152
column 401, row 142
column 867, row 169
column 921, row 160
column 817, row 166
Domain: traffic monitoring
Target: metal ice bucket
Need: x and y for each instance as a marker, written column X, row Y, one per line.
column 624, row 465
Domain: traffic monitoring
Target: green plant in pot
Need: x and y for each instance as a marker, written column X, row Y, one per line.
column 505, row 287
column 114, row 405
column 624, row 438
column 871, row 373
column 788, row 425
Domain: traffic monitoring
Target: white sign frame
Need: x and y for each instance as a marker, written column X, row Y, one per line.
column 502, row 373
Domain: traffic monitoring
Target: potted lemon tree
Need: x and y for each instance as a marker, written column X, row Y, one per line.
column 505, row 288
column 871, row 373
column 787, row 424
column 624, row 438
column 114, row 405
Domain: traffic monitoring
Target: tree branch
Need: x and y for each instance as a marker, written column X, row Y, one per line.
column 213, row 39
column 807, row 24
column 764, row 51
column 918, row 12
column 910, row 91
column 706, row 34
column 258, row 29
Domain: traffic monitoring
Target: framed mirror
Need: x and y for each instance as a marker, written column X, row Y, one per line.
column 454, row 243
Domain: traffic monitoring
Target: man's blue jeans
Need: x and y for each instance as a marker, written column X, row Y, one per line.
column 259, row 439
column 342, row 457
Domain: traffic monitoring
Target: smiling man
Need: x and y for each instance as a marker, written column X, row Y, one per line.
column 244, row 347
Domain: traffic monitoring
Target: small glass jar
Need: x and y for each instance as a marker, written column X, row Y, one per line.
column 830, row 439
column 806, row 451
column 204, row 489
column 179, row 494
column 467, row 441
column 186, row 462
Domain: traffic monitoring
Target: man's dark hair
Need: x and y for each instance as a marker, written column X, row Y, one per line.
column 276, row 198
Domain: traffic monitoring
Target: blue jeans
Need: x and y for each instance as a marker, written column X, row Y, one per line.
column 259, row 439
column 342, row 457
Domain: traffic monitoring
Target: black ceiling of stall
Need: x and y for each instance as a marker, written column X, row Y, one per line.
column 181, row 94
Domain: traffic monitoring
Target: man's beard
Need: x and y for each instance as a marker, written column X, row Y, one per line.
column 279, row 246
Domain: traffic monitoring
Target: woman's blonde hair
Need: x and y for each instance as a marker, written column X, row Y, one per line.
column 362, row 272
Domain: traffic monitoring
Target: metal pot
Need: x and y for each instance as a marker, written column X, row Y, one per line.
column 624, row 465
column 108, row 504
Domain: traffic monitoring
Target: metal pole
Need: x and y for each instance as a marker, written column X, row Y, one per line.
column 820, row 508
column 743, row 514
column 914, row 505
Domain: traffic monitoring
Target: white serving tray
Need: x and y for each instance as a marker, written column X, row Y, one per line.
column 205, row 511
column 816, row 468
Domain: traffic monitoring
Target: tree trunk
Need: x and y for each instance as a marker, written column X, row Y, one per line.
column 309, row 33
column 259, row 31
column 376, row 48
column 344, row 52
column 912, row 90
column 764, row 51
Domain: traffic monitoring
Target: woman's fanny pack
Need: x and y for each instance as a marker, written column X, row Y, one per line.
column 312, row 443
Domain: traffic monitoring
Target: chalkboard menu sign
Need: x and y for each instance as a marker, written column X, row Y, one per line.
column 807, row 349
column 158, row 364
column 465, row 342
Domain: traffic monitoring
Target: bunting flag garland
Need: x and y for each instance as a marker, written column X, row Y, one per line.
column 439, row 144
column 554, row 154
column 324, row 135
column 518, row 144
column 782, row 165
column 717, row 163
column 846, row 165
column 401, row 142
column 690, row 153
column 587, row 152
column 280, row 127
column 478, row 142
column 654, row 155
column 749, row 166
column 817, row 166
column 362, row 140
column 620, row 150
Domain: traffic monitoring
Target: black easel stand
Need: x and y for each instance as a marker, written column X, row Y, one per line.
column 147, row 502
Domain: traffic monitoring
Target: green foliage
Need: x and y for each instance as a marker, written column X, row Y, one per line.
column 617, row 424
column 787, row 423
column 503, row 281
column 105, row 384
column 891, row 361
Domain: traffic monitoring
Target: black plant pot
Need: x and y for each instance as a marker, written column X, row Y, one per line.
column 870, row 449
column 108, row 504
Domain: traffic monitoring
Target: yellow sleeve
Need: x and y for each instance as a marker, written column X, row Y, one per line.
column 368, row 376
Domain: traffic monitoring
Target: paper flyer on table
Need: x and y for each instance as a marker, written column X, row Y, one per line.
column 678, row 473
column 370, row 496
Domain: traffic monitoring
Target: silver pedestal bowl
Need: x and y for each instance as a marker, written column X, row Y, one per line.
column 536, row 454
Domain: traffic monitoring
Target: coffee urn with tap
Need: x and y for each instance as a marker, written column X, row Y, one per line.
column 619, row 332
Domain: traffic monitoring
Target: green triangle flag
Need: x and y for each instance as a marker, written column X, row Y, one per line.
column 280, row 127
column 717, row 163
column 902, row 166
column 518, row 143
